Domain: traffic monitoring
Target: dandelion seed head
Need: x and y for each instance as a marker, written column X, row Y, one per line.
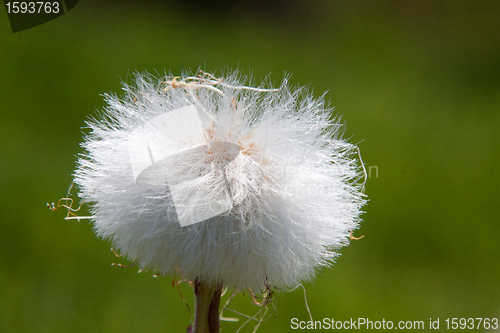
column 272, row 165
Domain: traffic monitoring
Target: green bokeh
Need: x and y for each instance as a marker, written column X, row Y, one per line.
column 417, row 83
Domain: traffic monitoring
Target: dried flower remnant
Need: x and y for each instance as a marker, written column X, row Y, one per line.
column 224, row 184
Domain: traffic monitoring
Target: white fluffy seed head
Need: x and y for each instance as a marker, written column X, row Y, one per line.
column 295, row 189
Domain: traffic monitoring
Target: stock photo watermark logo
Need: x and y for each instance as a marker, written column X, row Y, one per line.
column 158, row 159
column 28, row 14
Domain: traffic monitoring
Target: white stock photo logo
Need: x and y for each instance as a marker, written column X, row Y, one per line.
column 161, row 149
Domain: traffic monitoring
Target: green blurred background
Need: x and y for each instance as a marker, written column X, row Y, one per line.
column 417, row 83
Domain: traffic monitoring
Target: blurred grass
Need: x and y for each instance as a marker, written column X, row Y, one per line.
column 417, row 83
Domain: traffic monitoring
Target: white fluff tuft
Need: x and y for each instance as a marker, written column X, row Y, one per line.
column 297, row 183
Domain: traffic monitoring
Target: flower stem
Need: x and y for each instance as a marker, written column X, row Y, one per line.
column 207, row 308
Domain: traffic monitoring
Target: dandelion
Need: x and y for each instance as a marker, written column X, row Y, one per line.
column 224, row 184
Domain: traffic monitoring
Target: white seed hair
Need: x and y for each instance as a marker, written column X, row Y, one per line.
column 300, row 180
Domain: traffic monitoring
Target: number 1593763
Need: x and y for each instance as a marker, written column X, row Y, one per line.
column 32, row 7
